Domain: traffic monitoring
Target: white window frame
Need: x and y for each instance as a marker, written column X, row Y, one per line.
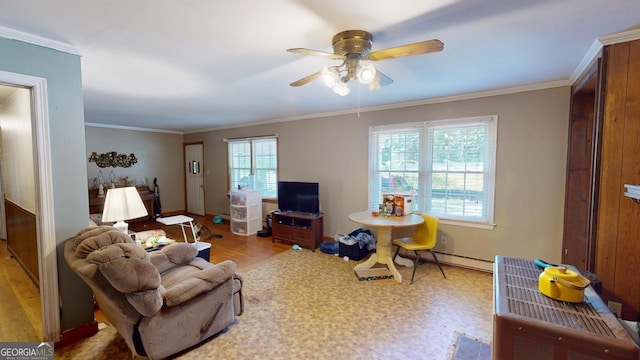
column 251, row 142
column 422, row 201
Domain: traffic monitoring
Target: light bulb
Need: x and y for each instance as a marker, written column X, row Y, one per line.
column 341, row 88
column 367, row 74
column 330, row 76
column 375, row 83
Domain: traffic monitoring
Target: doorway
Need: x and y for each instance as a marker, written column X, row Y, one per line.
column 583, row 157
column 194, row 177
column 45, row 224
column 19, row 280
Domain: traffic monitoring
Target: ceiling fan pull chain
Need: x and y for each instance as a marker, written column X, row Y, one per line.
column 358, row 100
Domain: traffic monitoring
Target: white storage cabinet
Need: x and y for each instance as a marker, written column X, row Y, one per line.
column 246, row 212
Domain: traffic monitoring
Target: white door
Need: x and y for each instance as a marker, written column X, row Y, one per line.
column 193, row 158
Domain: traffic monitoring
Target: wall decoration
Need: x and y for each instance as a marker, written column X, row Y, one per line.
column 194, row 167
column 113, row 159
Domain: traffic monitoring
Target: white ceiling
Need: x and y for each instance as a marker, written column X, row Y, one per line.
column 205, row 64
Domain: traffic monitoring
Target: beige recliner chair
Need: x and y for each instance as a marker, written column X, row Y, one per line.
column 161, row 302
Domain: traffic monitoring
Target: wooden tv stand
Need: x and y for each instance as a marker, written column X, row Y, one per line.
column 297, row 228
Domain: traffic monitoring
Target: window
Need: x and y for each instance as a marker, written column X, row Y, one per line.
column 253, row 162
column 448, row 165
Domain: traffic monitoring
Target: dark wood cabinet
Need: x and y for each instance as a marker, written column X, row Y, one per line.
column 96, row 204
column 303, row 229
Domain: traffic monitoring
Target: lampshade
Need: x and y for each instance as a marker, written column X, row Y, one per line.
column 123, row 204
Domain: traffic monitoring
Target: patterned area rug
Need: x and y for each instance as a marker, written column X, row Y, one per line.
column 310, row 305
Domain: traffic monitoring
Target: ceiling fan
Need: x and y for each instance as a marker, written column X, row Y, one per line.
column 351, row 47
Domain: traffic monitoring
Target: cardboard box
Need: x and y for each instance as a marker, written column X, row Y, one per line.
column 402, row 204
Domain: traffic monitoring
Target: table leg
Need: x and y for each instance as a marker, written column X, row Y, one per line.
column 193, row 231
column 382, row 255
column 371, row 261
column 184, row 234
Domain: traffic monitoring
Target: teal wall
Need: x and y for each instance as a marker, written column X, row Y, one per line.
column 69, row 166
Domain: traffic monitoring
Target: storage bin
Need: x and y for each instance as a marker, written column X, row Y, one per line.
column 350, row 244
column 239, row 227
column 204, row 249
column 248, row 227
column 352, row 251
column 240, row 212
column 246, row 212
column 246, row 198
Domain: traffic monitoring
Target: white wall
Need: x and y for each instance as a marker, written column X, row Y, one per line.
column 531, row 161
column 17, row 149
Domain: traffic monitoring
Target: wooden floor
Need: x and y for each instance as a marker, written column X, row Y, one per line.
column 20, row 313
column 245, row 251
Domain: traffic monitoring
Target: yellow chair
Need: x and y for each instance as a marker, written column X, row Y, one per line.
column 423, row 239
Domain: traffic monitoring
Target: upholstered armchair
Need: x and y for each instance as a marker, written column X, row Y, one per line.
column 161, row 302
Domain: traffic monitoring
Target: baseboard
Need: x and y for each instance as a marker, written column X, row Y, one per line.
column 465, row 261
column 71, row 335
column 173, row 213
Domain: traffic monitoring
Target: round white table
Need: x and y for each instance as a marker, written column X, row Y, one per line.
column 384, row 225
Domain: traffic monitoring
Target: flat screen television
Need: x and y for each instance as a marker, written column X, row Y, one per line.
column 295, row 196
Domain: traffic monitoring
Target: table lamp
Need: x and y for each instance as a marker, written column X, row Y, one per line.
column 123, row 204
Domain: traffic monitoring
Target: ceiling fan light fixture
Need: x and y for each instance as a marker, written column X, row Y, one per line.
column 367, row 74
column 330, row 76
column 375, row 83
column 341, row 88
column 352, row 47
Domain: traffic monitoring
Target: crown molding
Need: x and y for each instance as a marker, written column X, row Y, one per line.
column 586, row 61
column 460, row 97
column 596, row 47
column 623, row 36
column 120, row 127
column 12, row 34
column 475, row 95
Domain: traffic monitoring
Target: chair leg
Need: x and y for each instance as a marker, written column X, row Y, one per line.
column 415, row 265
column 396, row 254
column 438, row 262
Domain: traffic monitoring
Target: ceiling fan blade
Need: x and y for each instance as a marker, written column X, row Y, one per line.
column 418, row 48
column 306, row 79
column 384, row 79
column 310, row 52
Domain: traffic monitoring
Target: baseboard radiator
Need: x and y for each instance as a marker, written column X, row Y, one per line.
column 464, row 261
